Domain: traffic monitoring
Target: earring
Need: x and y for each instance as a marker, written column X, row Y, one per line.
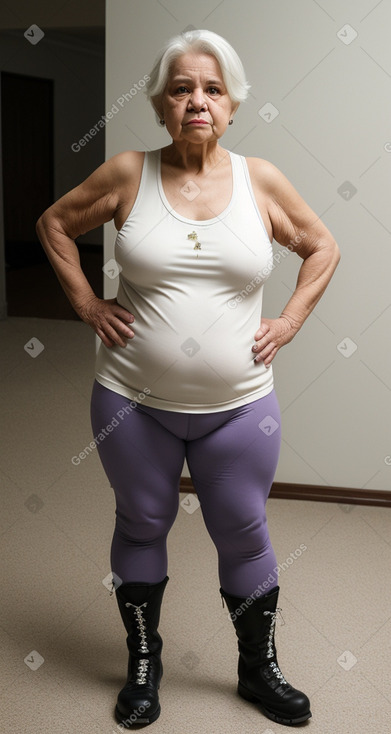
column 162, row 122
column 231, row 122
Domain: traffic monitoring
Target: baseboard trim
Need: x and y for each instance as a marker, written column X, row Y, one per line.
column 317, row 493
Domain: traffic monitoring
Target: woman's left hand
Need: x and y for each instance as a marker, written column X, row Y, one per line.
column 271, row 335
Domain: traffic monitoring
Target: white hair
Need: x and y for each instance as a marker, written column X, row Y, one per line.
column 204, row 42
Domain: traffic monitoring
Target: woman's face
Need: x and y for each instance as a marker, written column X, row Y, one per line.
column 195, row 90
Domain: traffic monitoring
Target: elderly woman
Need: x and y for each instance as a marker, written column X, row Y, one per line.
column 184, row 365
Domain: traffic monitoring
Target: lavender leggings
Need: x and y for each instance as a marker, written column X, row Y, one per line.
column 232, row 458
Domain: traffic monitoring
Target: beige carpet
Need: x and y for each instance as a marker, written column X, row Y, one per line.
column 63, row 646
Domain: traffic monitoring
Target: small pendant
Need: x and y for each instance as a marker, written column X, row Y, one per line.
column 193, row 236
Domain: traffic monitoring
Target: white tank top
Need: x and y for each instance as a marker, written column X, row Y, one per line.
column 195, row 289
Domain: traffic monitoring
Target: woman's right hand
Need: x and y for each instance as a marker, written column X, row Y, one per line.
column 108, row 319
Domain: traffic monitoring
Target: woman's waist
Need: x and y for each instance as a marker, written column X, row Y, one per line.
column 185, row 367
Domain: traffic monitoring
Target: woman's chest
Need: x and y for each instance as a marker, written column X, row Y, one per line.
column 207, row 197
column 197, row 197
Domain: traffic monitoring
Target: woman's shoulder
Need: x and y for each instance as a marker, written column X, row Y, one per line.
column 261, row 166
column 126, row 163
column 266, row 175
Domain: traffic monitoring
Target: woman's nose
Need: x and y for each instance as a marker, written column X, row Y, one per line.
column 197, row 99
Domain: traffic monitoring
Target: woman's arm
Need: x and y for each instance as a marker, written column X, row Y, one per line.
column 95, row 201
column 297, row 227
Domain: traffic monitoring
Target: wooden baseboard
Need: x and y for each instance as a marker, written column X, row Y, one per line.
column 317, row 493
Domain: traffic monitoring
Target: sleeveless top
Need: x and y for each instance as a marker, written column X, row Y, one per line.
column 195, row 289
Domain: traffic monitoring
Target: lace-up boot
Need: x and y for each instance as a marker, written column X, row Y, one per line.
column 139, row 605
column 260, row 678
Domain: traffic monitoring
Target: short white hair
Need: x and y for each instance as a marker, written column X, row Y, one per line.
column 202, row 42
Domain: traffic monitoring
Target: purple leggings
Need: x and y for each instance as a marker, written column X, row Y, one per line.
column 232, row 458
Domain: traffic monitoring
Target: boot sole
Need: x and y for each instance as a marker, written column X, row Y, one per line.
column 140, row 720
column 278, row 718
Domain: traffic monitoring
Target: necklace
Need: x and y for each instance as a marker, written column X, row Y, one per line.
column 193, row 236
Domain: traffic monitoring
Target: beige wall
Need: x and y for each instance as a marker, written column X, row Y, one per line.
column 331, row 89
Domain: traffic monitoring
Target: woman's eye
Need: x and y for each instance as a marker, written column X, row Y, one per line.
column 184, row 90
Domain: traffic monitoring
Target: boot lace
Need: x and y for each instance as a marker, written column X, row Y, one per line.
column 143, row 663
column 142, row 671
column 270, row 646
column 140, row 621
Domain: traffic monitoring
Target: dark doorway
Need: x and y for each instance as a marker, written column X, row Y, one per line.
column 27, row 128
column 32, row 288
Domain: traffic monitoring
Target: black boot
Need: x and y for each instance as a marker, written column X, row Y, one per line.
column 260, row 679
column 139, row 605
